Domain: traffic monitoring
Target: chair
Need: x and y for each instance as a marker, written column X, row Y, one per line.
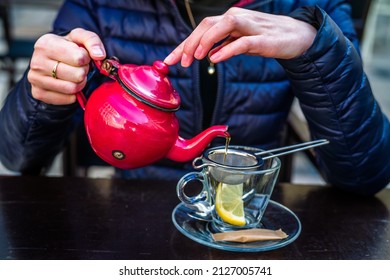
column 21, row 46
column 378, row 9
column 359, row 15
column 15, row 48
column 297, row 131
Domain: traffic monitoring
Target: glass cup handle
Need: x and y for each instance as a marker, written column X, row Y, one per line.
column 199, row 202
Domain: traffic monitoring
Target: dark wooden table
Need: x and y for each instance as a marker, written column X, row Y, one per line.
column 77, row 218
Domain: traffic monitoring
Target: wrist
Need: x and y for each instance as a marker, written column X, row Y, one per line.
column 309, row 14
column 311, row 19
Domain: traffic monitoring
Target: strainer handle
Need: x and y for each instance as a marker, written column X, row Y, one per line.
column 293, row 148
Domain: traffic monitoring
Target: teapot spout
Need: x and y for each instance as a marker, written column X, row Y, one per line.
column 186, row 150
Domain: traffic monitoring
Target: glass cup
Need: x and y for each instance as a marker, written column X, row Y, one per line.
column 236, row 187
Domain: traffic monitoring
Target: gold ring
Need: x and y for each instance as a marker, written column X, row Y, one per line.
column 54, row 71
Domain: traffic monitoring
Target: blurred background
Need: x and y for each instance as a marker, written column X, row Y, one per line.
column 23, row 21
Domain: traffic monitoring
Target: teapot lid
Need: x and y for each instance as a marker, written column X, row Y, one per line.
column 150, row 85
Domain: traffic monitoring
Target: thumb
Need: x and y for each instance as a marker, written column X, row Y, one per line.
column 88, row 40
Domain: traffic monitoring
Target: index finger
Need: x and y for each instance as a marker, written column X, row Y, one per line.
column 175, row 56
column 185, row 51
column 192, row 47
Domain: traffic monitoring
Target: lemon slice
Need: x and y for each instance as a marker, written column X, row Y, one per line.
column 229, row 204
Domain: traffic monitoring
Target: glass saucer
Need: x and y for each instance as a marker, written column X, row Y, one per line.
column 276, row 217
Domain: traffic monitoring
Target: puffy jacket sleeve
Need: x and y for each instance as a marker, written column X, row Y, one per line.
column 336, row 99
column 32, row 132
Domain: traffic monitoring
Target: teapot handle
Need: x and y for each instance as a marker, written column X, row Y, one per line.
column 107, row 67
column 81, row 99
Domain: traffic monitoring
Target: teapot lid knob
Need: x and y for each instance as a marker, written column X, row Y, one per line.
column 150, row 84
column 161, row 67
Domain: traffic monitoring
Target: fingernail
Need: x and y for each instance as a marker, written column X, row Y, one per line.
column 215, row 56
column 97, row 51
column 169, row 58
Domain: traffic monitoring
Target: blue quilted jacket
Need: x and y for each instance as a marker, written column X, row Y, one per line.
column 254, row 94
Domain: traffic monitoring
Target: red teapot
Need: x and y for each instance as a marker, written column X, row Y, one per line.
column 131, row 122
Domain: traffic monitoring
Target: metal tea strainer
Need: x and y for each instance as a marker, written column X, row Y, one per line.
column 232, row 166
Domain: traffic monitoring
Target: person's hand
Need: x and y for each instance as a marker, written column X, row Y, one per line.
column 59, row 65
column 244, row 32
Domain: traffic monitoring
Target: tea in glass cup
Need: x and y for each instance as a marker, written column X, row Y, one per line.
column 237, row 186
